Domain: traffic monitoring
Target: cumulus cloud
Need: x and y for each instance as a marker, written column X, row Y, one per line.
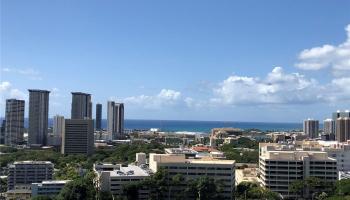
column 277, row 87
column 335, row 57
column 28, row 72
column 165, row 97
column 7, row 91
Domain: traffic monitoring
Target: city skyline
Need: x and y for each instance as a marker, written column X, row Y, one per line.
column 181, row 60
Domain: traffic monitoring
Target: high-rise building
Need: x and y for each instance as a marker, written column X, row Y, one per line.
column 280, row 166
column 81, row 106
column 38, row 117
column 337, row 115
column 328, row 129
column 98, row 116
column 328, row 126
column 343, row 129
column 28, row 172
column 115, row 119
column 58, row 125
column 78, row 137
column 14, row 124
column 2, row 132
column 311, row 128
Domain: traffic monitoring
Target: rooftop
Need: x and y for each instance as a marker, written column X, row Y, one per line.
column 36, row 90
column 80, row 93
column 120, row 170
column 31, row 162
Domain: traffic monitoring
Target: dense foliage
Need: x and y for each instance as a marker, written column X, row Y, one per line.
column 248, row 190
column 235, row 152
column 121, row 153
column 160, row 187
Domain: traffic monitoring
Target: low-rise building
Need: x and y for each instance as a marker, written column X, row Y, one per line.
column 247, row 175
column 218, row 169
column 25, row 173
column 48, row 188
column 112, row 177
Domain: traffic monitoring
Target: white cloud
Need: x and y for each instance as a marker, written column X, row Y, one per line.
column 7, row 92
column 277, row 87
column 165, row 97
column 335, row 57
column 28, row 72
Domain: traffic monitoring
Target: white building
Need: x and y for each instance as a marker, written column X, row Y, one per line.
column 336, row 150
column 217, row 169
column 58, row 125
column 281, row 165
column 48, row 188
column 112, row 177
column 328, row 126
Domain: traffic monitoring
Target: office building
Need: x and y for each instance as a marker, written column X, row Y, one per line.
column 342, row 129
column 14, row 122
column 78, row 137
column 218, row 169
column 337, row 150
column 115, row 119
column 81, row 106
column 2, row 132
column 112, row 178
column 38, row 117
column 58, row 125
column 311, row 128
column 48, row 188
column 24, row 173
column 281, row 165
column 98, row 116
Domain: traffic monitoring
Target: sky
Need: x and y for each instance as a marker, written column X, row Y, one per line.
column 257, row 61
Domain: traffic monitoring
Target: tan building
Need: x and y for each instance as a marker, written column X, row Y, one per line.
column 20, row 192
column 247, row 175
column 281, row 165
column 217, row 169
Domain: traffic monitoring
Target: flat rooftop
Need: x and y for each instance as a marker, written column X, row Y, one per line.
column 31, row 162
column 180, row 151
column 119, row 170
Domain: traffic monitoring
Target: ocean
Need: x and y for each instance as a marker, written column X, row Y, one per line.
column 199, row 126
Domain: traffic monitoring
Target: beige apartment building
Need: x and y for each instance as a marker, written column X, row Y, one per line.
column 281, row 165
column 218, row 169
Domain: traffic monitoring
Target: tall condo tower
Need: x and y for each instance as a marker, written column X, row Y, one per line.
column 81, row 106
column 38, row 116
column 115, row 119
column 328, row 126
column 14, row 121
column 311, row 128
column 343, row 129
column 98, row 116
column 58, row 125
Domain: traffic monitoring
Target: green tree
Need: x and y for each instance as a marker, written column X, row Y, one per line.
column 40, row 197
column 78, row 189
column 104, row 195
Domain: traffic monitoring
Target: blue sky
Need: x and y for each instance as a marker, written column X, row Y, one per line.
column 199, row 60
